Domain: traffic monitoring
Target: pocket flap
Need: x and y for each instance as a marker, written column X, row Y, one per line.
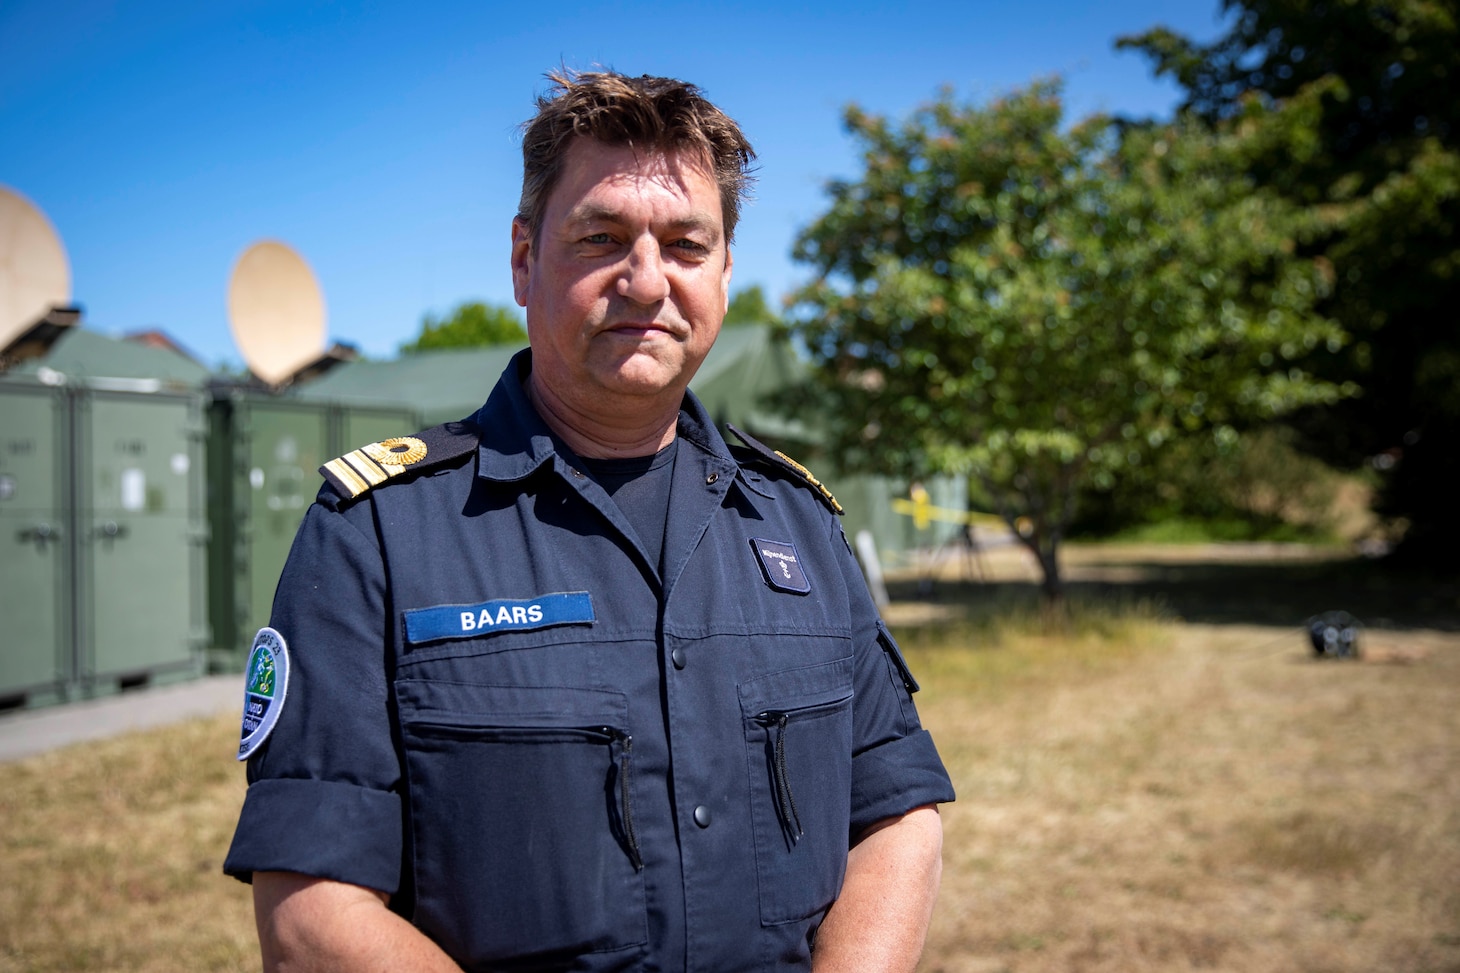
column 471, row 704
column 796, row 689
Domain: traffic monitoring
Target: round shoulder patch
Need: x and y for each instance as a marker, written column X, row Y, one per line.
column 266, row 681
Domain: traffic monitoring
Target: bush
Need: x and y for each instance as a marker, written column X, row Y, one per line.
column 1258, row 488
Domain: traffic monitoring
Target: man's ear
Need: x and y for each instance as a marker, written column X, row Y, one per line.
column 522, row 257
column 725, row 279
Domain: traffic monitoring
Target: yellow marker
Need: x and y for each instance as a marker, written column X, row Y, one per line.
column 944, row 514
column 922, row 504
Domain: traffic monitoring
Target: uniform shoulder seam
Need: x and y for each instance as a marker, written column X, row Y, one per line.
column 798, row 473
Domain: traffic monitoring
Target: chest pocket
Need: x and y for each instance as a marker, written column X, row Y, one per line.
column 798, row 734
column 521, row 822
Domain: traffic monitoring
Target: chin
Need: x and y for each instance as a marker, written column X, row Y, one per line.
column 637, row 376
column 638, row 385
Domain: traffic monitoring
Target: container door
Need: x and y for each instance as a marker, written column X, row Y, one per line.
column 140, row 535
column 35, row 560
column 283, row 446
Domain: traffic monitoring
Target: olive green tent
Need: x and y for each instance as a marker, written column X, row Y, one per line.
column 439, row 385
column 739, row 382
column 83, row 356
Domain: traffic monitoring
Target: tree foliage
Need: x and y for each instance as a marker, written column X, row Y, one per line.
column 1259, row 487
column 749, row 306
column 1042, row 308
column 471, row 324
column 1383, row 167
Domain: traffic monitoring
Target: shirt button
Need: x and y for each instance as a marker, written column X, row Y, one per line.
column 677, row 657
column 702, row 816
column 712, row 477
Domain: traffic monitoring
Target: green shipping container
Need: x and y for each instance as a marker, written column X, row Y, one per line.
column 263, row 465
column 36, row 660
column 102, row 534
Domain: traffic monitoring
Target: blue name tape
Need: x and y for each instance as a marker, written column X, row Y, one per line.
column 503, row 615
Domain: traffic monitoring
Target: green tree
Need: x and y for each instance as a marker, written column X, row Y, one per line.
column 749, row 306
column 1383, row 167
column 1041, row 308
column 471, row 324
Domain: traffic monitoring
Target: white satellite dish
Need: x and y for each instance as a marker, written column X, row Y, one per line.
column 276, row 311
column 35, row 275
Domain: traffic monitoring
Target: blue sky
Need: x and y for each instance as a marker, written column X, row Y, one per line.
column 379, row 139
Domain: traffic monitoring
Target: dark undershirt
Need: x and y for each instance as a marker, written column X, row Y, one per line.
column 640, row 487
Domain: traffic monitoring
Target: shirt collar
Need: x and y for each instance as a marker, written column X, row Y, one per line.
column 515, row 442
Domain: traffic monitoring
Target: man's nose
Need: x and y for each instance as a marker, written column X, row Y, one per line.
column 643, row 280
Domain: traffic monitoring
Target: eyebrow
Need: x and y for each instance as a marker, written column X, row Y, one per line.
column 592, row 213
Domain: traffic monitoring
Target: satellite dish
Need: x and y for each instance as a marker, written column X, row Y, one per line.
column 35, row 275
column 276, row 311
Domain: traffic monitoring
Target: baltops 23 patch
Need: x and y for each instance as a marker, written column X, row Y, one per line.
column 267, row 683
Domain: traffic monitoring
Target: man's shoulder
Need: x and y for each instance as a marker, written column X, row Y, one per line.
column 359, row 471
column 762, row 457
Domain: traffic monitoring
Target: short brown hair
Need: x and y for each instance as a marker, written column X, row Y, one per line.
column 658, row 114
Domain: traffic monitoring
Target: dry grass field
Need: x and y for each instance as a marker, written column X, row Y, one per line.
column 1171, row 788
column 1203, row 798
column 111, row 854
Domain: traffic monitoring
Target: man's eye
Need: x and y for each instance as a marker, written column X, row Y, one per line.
column 598, row 238
column 689, row 245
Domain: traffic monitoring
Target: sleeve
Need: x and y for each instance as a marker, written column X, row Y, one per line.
column 323, row 796
column 895, row 766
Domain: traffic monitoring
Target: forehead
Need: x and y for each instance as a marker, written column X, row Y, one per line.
column 598, row 174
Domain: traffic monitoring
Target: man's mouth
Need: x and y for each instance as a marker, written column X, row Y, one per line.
column 642, row 329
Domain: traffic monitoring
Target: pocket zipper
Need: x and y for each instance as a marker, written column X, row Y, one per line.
column 785, row 800
column 778, row 721
column 626, row 812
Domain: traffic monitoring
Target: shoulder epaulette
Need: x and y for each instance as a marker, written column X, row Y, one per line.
column 781, row 461
column 363, row 469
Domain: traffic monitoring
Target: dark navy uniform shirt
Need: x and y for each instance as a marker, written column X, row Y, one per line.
column 552, row 754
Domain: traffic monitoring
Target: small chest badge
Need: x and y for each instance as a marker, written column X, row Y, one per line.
column 266, row 683
column 780, row 565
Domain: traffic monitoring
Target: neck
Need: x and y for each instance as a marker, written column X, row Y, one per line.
column 638, row 429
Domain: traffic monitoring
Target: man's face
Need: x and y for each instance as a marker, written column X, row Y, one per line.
column 628, row 278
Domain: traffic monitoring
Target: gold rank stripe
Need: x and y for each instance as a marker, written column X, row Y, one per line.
column 810, row 478
column 359, row 472
column 374, row 471
column 346, row 477
column 369, row 466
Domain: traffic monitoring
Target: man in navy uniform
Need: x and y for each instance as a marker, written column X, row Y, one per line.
column 572, row 684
